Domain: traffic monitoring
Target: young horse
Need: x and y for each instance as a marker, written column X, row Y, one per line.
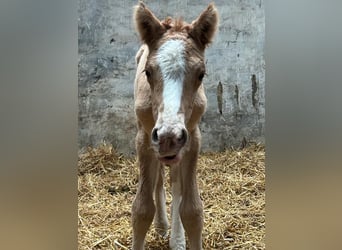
column 169, row 102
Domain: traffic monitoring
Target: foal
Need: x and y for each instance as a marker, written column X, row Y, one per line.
column 169, row 102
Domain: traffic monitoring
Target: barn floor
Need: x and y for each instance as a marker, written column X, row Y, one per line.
column 231, row 183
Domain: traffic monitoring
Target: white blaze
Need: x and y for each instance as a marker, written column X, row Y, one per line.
column 170, row 58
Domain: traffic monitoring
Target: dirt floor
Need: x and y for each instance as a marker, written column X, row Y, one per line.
column 231, row 184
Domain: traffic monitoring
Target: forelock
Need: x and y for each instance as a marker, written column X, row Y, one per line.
column 175, row 25
column 171, row 58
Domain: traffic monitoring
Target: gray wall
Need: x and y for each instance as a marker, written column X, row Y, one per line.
column 107, row 47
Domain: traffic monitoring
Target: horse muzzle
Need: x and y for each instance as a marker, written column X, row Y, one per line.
column 168, row 142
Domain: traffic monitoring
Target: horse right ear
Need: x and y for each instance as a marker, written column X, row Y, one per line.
column 147, row 24
column 204, row 27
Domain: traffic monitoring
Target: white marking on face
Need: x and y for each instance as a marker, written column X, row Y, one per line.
column 171, row 61
column 170, row 58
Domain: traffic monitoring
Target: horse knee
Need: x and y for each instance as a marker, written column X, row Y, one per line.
column 192, row 218
column 142, row 211
column 191, row 215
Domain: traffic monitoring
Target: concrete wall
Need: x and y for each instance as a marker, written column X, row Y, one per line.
column 107, row 47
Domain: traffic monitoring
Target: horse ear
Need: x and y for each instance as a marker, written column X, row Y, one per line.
column 147, row 24
column 202, row 29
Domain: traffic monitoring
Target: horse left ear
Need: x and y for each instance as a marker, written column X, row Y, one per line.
column 202, row 29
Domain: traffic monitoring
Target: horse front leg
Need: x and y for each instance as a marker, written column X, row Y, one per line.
column 143, row 208
column 191, row 208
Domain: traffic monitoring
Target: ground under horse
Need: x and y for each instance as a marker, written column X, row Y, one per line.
column 169, row 102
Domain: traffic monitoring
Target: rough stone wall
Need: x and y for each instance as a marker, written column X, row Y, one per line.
column 235, row 66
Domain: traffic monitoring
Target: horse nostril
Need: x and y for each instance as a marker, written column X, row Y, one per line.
column 155, row 135
column 183, row 137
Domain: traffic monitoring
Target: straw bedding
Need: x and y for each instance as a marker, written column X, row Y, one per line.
column 231, row 183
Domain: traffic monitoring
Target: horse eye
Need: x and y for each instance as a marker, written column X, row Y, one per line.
column 200, row 77
column 147, row 73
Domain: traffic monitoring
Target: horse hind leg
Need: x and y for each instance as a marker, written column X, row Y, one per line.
column 177, row 239
column 160, row 219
